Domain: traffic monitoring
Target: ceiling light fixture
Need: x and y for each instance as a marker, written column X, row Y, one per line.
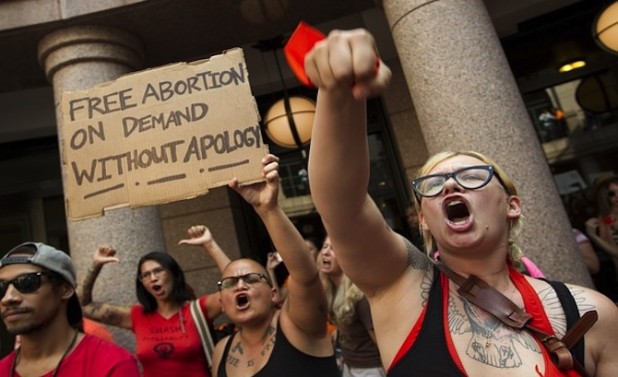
column 572, row 65
column 605, row 28
column 289, row 121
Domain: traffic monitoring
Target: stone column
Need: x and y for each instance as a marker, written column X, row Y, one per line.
column 466, row 99
column 77, row 58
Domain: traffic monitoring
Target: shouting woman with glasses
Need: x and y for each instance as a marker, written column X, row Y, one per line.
column 167, row 339
column 272, row 341
column 469, row 210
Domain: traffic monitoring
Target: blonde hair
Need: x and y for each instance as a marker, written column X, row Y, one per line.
column 342, row 299
column 514, row 251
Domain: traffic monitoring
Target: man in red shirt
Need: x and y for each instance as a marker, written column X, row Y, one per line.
column 39, row 303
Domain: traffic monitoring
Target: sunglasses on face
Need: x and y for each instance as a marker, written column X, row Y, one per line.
column 152, row 274
column 26, row 283
column 471, row 178
column 611, row 193
column 249, row 279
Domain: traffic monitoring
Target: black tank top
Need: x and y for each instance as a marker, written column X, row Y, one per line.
column 429, row 354
column 285, row 360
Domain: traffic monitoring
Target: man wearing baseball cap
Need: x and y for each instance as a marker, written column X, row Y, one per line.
column 38, row 302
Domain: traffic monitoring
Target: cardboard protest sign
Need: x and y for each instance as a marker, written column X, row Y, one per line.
column 160, row 135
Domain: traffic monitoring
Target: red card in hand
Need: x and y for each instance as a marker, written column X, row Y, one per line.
column 300, row 43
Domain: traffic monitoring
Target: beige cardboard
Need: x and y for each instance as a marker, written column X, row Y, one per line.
column 160, row 135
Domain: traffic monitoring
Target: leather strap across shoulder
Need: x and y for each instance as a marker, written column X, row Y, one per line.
column 492, row 301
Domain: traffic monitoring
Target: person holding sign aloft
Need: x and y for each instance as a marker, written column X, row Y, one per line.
column 293, row 340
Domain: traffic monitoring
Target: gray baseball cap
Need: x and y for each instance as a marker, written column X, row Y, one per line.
column 45, row 256
column 51, row 259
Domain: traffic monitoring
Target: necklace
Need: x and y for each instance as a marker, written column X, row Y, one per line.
column 64, row 355
column 487, row 332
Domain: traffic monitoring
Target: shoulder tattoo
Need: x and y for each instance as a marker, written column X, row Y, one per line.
column 416, row 258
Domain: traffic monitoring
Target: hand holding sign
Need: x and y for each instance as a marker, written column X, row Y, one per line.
column 263, row 195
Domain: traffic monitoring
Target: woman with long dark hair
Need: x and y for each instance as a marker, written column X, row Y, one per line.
column 167, row 338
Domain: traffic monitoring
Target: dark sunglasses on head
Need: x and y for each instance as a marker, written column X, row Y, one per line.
column 26, row 283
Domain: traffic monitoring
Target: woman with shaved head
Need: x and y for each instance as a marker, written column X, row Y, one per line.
column 293, row 340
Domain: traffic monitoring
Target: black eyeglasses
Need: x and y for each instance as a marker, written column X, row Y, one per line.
column 149, row 275
column 470, row 177
column 250, row 279
column 26, row 283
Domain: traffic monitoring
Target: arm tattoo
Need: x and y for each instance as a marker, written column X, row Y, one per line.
column 101, row 313
column 88, row 284
column 426, row 286
column 580, row 299
column 416, row 259
column 555, row 311
column 112, row 318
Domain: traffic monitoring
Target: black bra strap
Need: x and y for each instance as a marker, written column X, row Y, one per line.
column 572, row 315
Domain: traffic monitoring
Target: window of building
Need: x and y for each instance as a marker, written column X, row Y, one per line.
column 577, row 124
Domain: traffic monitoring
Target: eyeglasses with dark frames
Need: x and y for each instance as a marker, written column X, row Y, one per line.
column 26, row 283
column 152, row 274
column 249, row 279
column 470, row 177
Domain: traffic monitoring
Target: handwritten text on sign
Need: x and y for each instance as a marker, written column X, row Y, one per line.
column 160, row 135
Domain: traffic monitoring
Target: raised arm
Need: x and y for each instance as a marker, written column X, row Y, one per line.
column 272, row 261
column 102, row 312
column 305, row 303
column 592, row 227
column 347, row 69
column 605, row 232
column 591, row 260
column 200, row 235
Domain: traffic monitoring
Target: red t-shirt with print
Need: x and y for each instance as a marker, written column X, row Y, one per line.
column 167, row 347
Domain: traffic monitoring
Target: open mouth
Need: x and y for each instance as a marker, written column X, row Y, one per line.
column 242, row 301
column 457, row 212
column 157, row 288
